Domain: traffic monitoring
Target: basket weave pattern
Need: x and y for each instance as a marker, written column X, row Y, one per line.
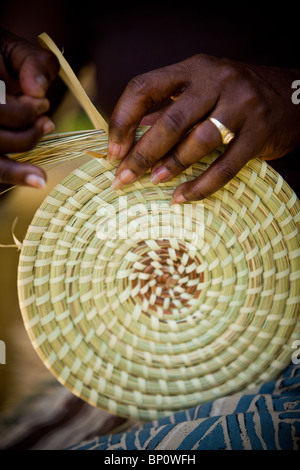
column 144, row 327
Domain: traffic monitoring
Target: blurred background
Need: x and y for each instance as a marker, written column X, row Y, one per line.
column 107, row 46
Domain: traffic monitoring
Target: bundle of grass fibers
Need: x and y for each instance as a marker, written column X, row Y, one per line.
column 142, row 308
column 149, row 318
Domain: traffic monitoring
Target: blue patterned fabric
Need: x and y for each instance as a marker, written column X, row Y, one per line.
column 268, row 418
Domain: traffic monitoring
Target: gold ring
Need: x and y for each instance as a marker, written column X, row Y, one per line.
column 226, row 134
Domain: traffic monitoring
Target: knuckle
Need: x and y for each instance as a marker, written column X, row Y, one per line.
column 25, row 115
column 192, row 63
column 47, row 61
column 25, row 140
column 142, row 160
column 249, row 95
column 116, row 122
column 226, row 171
column 199, row 58
column 140, row 84
column 179, row 161
column 195, row 191
column 173, row 122
column 30, row 140
column 200, row 194
column 50, row 59
column 201, row 143
column 228, row 71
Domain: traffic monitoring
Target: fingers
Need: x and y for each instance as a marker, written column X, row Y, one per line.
column 201, row 141
column 19, row 112
column 220, row 172
column 35, row 67
column 20, row 140
column 37, row 72
column 22, row 123
column 21, row 128
column 240, row 97
column 28, row 71
column 165, row 133
column 16, row 173
column 141, row 94
column 150, row 119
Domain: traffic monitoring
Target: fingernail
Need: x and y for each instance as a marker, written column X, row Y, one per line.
column 178, row 199
column 42, row 82
column 125, row 177
column 160, row 174
column 113, row 151
column 48, row 127
column 35, row 181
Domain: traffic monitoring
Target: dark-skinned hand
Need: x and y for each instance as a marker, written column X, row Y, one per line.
column 252, row 101
column 27, row 70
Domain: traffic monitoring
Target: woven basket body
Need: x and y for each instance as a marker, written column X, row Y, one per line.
column 142, row 308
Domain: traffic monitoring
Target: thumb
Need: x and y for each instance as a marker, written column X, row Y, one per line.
column 24, row 174
column 37, row 72
column 35, row 66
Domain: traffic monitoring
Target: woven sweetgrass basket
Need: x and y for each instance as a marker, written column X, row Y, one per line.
column 142, row 308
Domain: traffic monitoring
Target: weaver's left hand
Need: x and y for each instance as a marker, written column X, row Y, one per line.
column 27, row 70
column 253, row 102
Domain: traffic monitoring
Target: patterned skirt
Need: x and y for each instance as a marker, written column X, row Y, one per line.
column 267, row 418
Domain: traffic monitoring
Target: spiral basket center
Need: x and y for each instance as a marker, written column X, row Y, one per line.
column 168, row 277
